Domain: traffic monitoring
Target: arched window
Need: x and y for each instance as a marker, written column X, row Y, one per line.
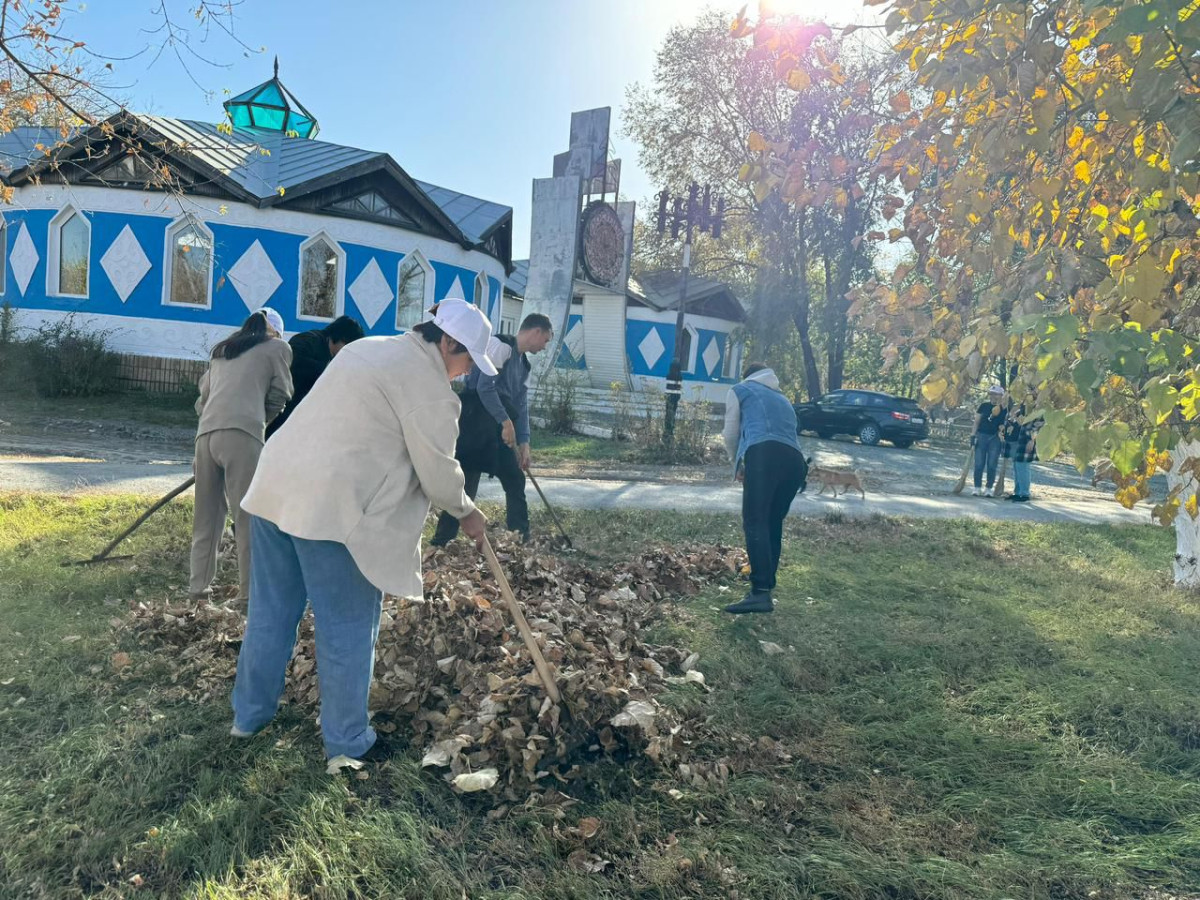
column 481, row 292
column 188, row 259
column 322, row 269
column 687, row 353
column 414, row 291
column 70, row 249
column 729, row 367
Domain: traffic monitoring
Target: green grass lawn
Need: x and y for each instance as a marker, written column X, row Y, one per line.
column 131, row 406
column 964, row 710
column 551, row 449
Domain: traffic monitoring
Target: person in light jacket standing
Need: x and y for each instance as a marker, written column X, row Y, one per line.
column 760, row 438
column 247, row 383
column 336, row 511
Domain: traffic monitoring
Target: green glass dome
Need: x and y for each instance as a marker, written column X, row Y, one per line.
column 273, row 107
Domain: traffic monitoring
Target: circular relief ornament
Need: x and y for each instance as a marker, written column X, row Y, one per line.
column 603, row 244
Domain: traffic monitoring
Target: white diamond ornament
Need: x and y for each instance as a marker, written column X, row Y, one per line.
column 371, row 292
column 23, row 259
column 574, row 339
column 125, row 263
column 254, row 277
column 456, row 290
column 711, row 356
column 651, row 347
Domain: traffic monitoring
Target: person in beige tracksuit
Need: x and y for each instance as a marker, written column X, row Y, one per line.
column 247, row 383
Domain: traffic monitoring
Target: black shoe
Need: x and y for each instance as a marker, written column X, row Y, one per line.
column 753, row 602
column 1024, row 498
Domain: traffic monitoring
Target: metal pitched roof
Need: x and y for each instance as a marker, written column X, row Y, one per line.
column 473, row 216
column 519, row 279
column 18, row 147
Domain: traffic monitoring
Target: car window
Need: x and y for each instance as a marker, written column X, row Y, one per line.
column 855, row 399
column 877, row 400
column 831, row 399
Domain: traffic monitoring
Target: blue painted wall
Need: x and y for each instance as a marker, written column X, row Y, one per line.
column 637, row 330
column 230, row 243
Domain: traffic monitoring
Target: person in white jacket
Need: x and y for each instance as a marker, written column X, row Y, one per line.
column 336, row 511
column 760, row 438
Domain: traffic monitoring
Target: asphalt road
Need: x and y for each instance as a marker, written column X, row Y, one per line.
column 72, row 475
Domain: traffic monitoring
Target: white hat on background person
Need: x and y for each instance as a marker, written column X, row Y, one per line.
column 274, row 319
column 467, row 325
column 995, row 390
column 498, row 351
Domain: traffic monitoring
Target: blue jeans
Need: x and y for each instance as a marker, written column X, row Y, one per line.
column 987, row 456
column 288, row 573
column 1021, row 474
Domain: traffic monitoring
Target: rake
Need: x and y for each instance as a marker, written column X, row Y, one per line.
column 104, row 555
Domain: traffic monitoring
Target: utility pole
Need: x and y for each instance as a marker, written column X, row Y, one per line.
column 694, row 212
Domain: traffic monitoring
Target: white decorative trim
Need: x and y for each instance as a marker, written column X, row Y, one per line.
column 169, row 258
column 23, row 259
column 651, row 347
column 733, row 352
column 416, row 256
column 54, row 250
column 376, row 235
column 371, row 292
column 667, row 317
column 339, row 298
column 167, row 338
column 711, row 356
column 254, row 277
column 3, row 255
column 456, row 291
column 125, row 263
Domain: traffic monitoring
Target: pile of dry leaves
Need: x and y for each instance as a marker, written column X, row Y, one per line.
column 451, row 668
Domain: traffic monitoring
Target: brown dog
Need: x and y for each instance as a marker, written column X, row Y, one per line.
column 1104, row 470
column 833, row 478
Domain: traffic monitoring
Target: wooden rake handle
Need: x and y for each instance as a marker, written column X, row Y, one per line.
column 537, row 487
column 539, row 661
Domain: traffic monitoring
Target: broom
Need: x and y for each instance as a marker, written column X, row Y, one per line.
column 962, row 479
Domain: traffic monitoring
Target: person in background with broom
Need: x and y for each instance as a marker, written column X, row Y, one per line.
column 247, row 384
column 493, row 434
column 336, row 512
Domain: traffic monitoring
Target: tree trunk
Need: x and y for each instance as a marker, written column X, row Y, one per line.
column 1187, row 529
column 812, row 374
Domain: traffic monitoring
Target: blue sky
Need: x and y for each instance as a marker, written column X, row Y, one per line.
column 475, row 95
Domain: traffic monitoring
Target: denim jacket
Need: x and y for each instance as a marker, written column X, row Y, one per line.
column 764, row 414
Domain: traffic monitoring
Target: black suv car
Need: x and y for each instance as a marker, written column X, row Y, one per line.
column 869, row 415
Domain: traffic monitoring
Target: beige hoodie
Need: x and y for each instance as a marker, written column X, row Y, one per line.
column 359, row 461
column 246, row 392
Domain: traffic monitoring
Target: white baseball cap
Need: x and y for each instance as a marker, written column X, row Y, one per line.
column 996, row 389
column 274, row 319
column 467, row 325
column 498, row 352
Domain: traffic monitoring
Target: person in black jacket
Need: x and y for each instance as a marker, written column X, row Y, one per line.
column 312, row 351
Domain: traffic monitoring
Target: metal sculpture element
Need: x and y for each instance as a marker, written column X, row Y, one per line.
column 602, row 244
column 695, row 212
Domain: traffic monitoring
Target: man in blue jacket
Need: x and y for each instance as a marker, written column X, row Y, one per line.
column 760, row 438
column 493, row 427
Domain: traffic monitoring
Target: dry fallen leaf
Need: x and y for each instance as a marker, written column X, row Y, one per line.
column 121, row 661
column 636, row 714
column 476, row 781
column 769, row 648
column 586, row 863
column 72, row 638
column 588, row 827
column 338, row 763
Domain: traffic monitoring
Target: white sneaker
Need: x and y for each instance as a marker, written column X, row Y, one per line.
column 976, row 492
column 991, row 492
column 236, row 732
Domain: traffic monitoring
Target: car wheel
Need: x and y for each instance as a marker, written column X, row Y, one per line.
column 903, row 445
column 869, row 434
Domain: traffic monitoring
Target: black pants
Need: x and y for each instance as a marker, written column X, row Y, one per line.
column 512, row 479
column 772, row 479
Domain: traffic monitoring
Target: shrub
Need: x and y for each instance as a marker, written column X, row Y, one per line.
column 557, row 396
column 693, row 430
column 67, row 359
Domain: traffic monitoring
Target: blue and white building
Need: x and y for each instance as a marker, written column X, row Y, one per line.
column 629, row 338
column 167, row 232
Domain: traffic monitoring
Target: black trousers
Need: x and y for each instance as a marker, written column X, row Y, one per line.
column 772, row 480
column 512, row 479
